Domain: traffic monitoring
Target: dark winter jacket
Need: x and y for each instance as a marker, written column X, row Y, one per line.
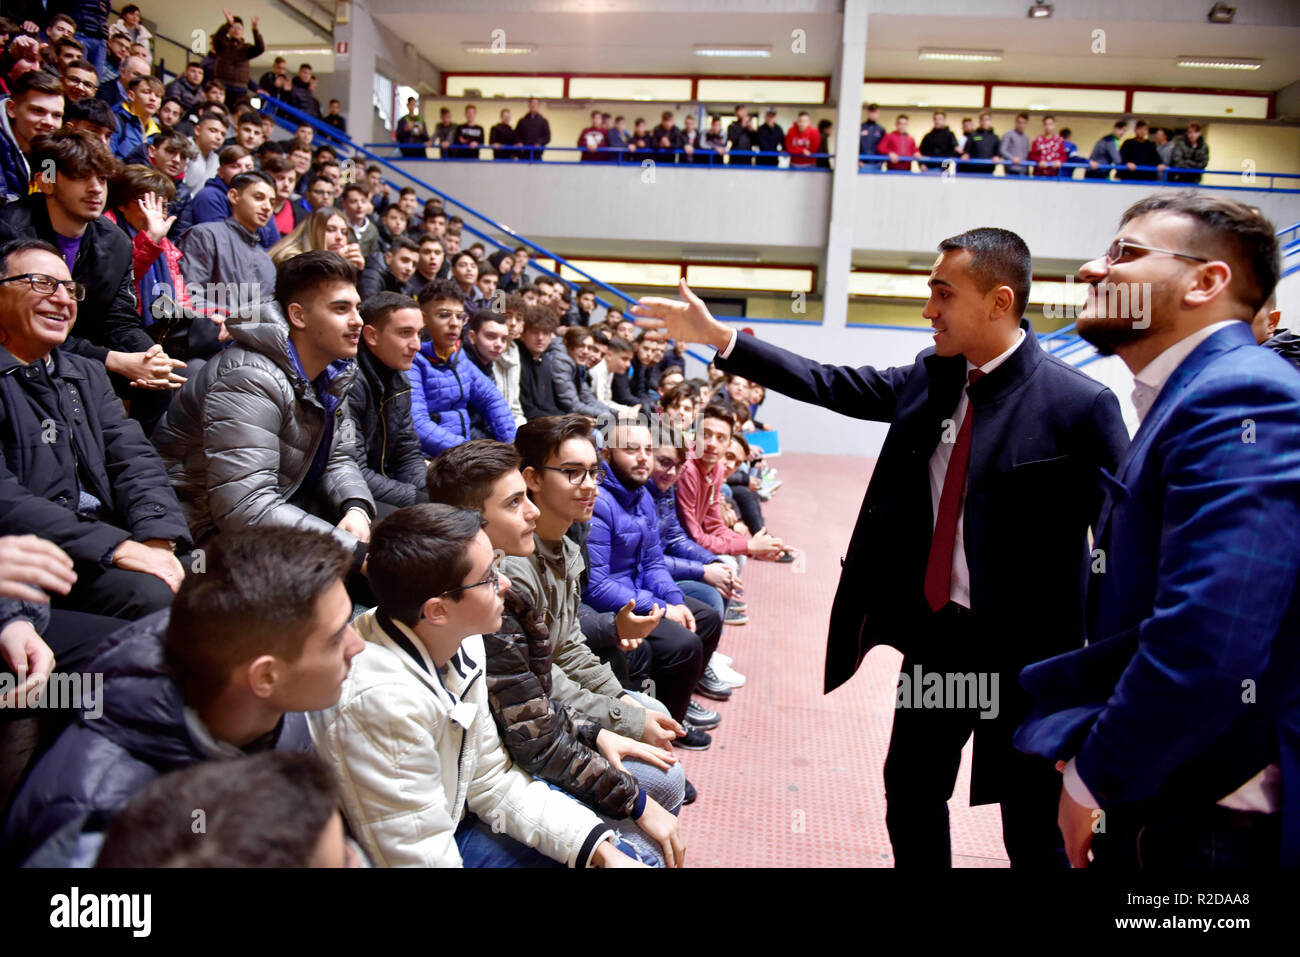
column 109, row 317
column 536, row 384
column 625, row 557
column 233, row 56
column 1287, row 345
column 684, row 557
column 144, row 731
column 549, row 740
column 63, row 432
column 444, row 391
column 387, row 449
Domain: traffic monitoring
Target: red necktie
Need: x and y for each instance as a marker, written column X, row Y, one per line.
column 938, row 569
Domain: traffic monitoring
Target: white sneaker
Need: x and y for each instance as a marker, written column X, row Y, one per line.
column 726, row 674
column 720, row 657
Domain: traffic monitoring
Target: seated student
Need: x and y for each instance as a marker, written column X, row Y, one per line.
column 542, row 712
column 698, row 493
column 393, row 270
column 740, row 486
column 322, row 228
column 34, row 106
column 135, row 116
column 212, row 203
column 570, row 381
column 486, row 283
column 505, row 370
column 431, row 263
column 274, row 809
column 285, row 213
column 536, row 361
column 649, row 350
column 228, row 271
column 259, row 637
column 609, row 378
column 676, row 408
column 102, row 496
column 379, row 403
column 464, row 271
column 626, row 562
column 353, row 203
column 67, row 214
column 170, row 153
column 552, row 449
column 446, row 388
column 253, row 438
column 392, row 223
column 425, row 779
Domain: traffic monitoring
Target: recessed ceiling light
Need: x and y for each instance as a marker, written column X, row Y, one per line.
column 732, row 50
column 1040, row 10
column 1218, row 63
column 1221, row 13
column 503, row 49
column 962, row 56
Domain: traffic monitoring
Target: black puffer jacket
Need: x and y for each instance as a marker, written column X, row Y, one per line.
column 388, row 451
column 63, row 431
column 548, row 739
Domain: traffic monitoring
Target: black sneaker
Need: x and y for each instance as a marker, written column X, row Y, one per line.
column 690, row 794
column 786, row 558
column 694, row 739
column 735, row 616
column 701, row 717
column 711, row 686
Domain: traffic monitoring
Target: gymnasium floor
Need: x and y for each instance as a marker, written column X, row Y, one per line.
column 794, row 776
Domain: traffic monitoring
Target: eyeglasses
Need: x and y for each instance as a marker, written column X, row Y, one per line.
column 493, row 579
column 45, row 285
column 575, row 475
column 449, row 314
column 1119, row 250
column 667, row 464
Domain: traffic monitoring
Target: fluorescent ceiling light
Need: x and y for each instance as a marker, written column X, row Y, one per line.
column 504, row 49
column 733, row 50
column 709, row 255
column 962, row 56
column 1040, row 10
column 1218, row 63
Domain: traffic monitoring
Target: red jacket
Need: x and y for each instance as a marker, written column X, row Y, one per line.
column 801, row 143
column 700, row 510
column 900, row 143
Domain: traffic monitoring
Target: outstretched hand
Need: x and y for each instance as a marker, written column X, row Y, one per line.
column 688, row 321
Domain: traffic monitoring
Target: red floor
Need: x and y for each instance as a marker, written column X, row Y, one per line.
column 794, row 776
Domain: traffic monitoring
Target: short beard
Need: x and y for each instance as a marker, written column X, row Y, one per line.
column 1108, row 335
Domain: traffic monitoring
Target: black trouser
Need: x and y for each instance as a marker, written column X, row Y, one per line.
column 925, row 754
column 749, row 507
column 673, row 658
column 1206, row 836
column 115, row 592
column 600, row 630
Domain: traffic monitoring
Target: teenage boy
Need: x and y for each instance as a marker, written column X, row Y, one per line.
column 253, row 439
column 426, row 781
column 981, row 144
column 259, row 637
column 379, row 403
column 34, row 106
column 536, row 374
column 449, row 395
column 391, row 270
column 209, row 134
column 135, row 116
column 544, row 714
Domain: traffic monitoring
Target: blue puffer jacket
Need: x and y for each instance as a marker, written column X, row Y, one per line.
column 98, row 763
column 442, row 395
column 684, row 556
column 625, row 558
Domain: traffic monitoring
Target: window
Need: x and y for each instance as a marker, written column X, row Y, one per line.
column 383, row 100
column 925, row 95
column 663, row 89
column 1066, row 100
column 762, row 91
column 506, row 87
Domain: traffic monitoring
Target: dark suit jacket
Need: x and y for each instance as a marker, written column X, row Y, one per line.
column 1041, row 432
column 1190, row 682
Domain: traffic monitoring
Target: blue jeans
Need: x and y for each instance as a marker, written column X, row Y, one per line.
column 480, row 846
column 703, row 591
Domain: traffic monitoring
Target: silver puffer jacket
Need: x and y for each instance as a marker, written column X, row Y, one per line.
column 240, row 437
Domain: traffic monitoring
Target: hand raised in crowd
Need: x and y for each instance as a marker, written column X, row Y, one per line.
column 352, row 253
column 632, row 628
column 614, row 747
column 152, row 369
column 157, row 222
column 31, row 567
column 155, row 559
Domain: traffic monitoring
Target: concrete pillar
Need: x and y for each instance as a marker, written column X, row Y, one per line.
column 354, row 73
column 847, row 90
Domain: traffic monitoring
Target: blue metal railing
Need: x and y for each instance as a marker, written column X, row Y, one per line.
column 607, row 154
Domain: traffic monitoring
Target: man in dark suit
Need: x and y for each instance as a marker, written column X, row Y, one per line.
column 971, row 580
column 1178, row 725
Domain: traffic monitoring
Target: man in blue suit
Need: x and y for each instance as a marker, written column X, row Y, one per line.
column 1178, row 725
column 970, row 550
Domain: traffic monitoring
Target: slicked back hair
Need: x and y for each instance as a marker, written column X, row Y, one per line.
column 1225, row 229
column 537, row 440
column 998, row 257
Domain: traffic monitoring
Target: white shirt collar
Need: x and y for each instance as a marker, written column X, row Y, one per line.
column 992, row 364
column 1148, row 383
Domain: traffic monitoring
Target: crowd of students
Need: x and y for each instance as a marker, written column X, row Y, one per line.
column 242, row 401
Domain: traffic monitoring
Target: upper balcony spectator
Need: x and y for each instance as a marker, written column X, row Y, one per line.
column 232, row 55
column 533, row 130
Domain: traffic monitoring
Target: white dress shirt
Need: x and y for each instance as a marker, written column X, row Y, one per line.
column 1262, row 793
